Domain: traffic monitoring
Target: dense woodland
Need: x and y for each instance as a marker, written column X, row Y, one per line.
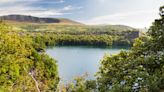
column 24, row 69
column 78, row 35
column 102, row 40
column 50, row 34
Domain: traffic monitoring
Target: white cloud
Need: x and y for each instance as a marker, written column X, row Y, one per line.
column 137, row 19
column 39, row 13
column 61, row 1
column 66, row 8
column 70, row 7
column 13, row 1
column 25, row 7
column 24, row 10
column 102, row 1
column 128, row 12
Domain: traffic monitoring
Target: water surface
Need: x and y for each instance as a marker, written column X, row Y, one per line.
column 76, row 61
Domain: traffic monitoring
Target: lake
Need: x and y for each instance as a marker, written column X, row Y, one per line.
column 77, row 61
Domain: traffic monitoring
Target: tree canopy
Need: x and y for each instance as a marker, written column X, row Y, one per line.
column 141, row 69
column 22, row 68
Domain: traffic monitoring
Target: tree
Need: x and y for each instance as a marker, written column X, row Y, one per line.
column 141, row 69
column 22, row 68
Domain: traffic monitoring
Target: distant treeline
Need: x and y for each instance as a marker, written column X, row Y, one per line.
column 23, row 69
column 43, row 40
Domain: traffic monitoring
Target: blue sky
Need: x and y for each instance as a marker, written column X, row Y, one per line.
column 135, row 13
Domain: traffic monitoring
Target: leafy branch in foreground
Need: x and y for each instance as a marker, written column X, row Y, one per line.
column 18, row 58
column 141, row 69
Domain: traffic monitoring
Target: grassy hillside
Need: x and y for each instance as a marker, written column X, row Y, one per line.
column 63, row 27
column 73, row 34
column 68, row 32
column 33, row 19
column 31, row 23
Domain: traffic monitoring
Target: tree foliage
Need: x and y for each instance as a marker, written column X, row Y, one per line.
column 80, row 84
column 102, row 40
column 141, row 69
column 23, row 69
column 20, row 64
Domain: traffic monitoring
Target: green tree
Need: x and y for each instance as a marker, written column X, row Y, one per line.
column 22, row 68
column 141, row 69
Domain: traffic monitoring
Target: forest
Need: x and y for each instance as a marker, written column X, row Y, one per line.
column 23, row 68
column 103, row 40
column 77, row 35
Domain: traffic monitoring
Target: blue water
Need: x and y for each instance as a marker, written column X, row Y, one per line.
column 76, row 61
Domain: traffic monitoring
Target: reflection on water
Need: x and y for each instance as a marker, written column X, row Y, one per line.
column 76, row 61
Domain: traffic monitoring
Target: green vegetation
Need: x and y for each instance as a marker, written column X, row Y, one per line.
column 103, row 40
column 80, row 85
column 55, row 27
column 139, row 70
column 50, row 34
column 25, row 68
column 22, row 68
column 97, row 39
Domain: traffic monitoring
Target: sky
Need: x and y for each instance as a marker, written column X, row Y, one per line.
column 135, row 13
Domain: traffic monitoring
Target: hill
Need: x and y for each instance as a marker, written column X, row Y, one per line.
column 32, row 19
column 66, row 26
